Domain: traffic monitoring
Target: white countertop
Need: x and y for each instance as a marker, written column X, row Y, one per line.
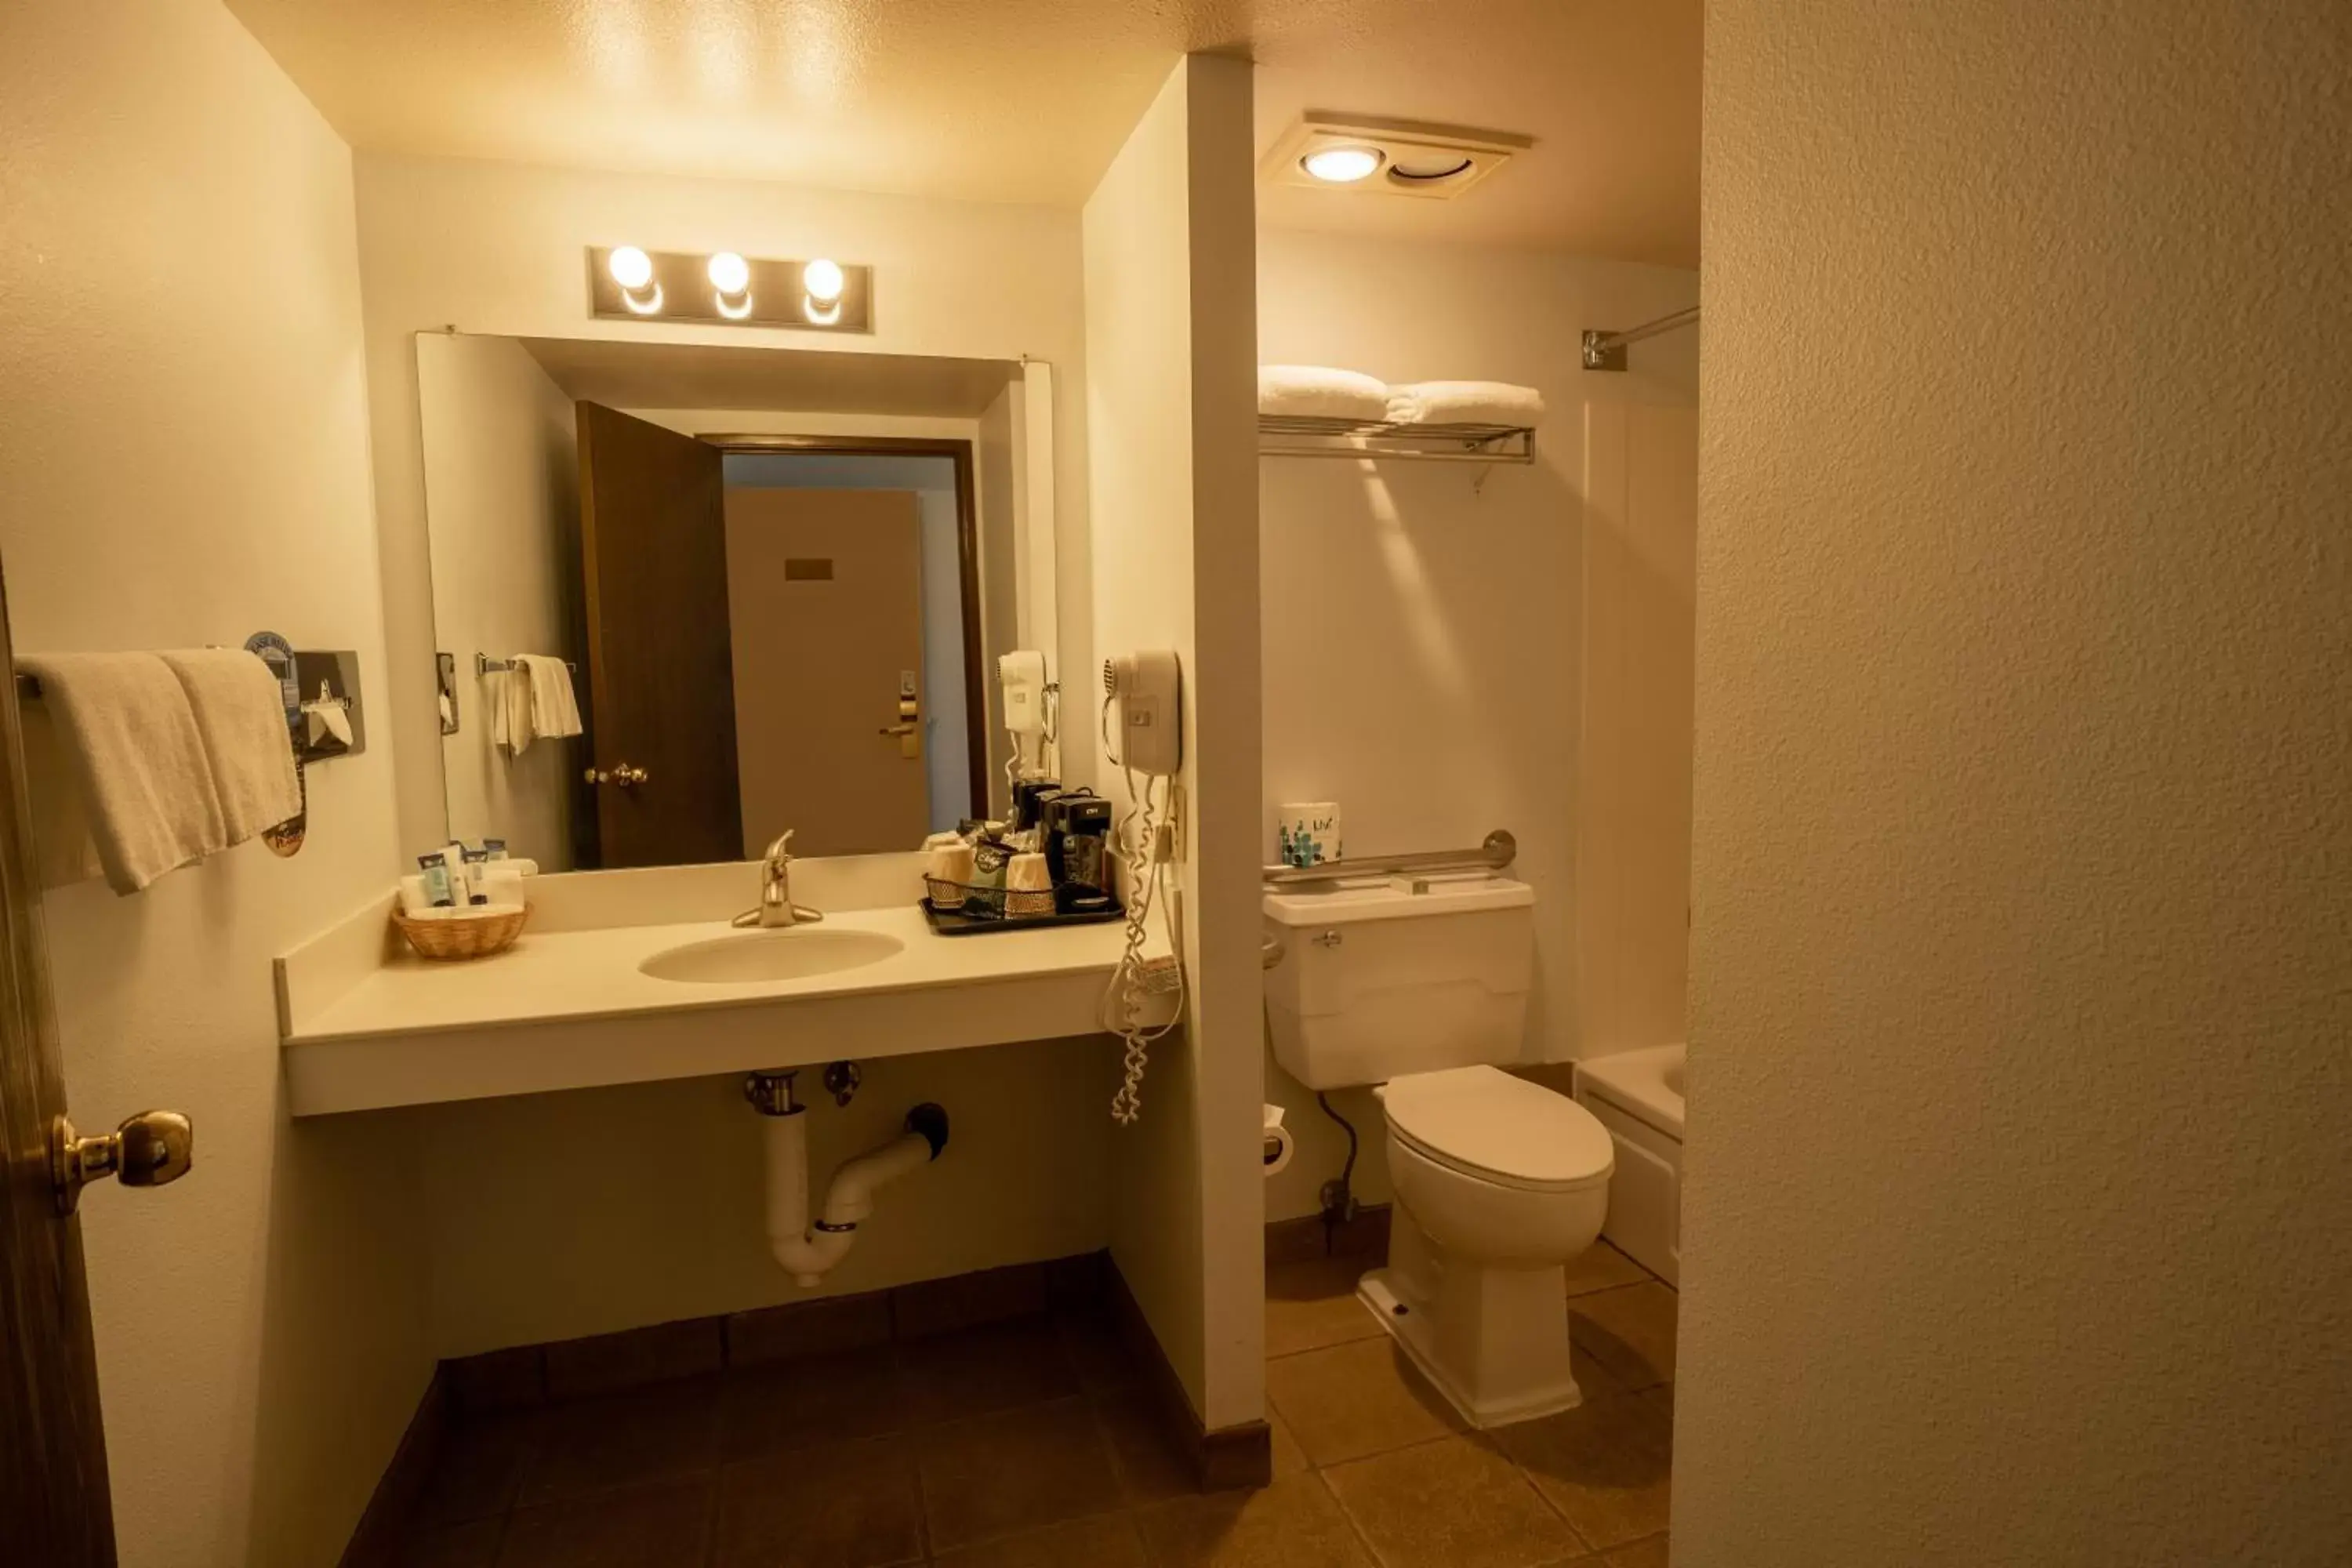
column 569, row 1008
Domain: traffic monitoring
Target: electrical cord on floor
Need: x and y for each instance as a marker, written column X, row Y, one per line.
column 1339, row 1196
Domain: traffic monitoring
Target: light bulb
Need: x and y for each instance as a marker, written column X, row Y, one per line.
column 730, row 273
column 1342, row 165
column 822, row 278
column 632, row 268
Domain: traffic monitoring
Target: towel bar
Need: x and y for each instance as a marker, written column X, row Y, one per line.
column 1498, row 852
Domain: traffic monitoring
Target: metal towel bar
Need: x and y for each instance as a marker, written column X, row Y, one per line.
column 1496, row 853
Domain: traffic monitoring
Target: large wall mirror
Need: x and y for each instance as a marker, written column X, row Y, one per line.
column 773, row 585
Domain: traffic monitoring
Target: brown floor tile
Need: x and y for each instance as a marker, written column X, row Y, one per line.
column 1603, row 1465
column 666, row 1525
column 1650, row 1553
column 818, row 1399
column 1632, row 1329
column 480, row 1468
column 822, row 1327
column 952, row 1377
column 1289, row 1459
column 1294, row 1523
column 1458, row 1502
column 1354, row 1401
column 854, row 1505
column 1105, row 1541
column 1602, row 1266
column 596, row 1445
column 1102, row 1360
column 1313, row 1304
column 474, row 1544
column 1018, row 1471
column 635, row 1358
column 1150, row 1466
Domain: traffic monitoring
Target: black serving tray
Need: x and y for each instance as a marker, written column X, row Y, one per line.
column 950, row 922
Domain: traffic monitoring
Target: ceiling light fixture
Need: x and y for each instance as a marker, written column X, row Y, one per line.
column 1341, row 165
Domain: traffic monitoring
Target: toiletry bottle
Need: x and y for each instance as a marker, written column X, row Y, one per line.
column 475, row 861
column 438, row 890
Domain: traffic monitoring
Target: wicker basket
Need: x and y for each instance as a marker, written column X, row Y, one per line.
column 450, row 937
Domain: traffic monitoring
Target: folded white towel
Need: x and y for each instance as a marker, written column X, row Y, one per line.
column 241, row 711
column 1316, row 392
column 138, row 760
column 534, row 700
column 1465, row 403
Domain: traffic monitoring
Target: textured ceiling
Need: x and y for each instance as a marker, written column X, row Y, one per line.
column 1026, row 99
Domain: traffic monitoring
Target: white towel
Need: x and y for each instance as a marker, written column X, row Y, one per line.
column 241, row 711
column 1316, row 392
column 138, row 760
column 534, row 700
column 1465, row 403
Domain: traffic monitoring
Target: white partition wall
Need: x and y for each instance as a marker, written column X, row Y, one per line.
column 1172, row 420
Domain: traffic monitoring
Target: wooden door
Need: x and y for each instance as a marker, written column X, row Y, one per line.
column 825, row 590
column 54, row 1503
column 661, row 671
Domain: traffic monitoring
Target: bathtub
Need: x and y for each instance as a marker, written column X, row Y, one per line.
column 1638, row 1096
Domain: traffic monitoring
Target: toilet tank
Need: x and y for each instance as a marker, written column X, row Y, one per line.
column 1375, row 981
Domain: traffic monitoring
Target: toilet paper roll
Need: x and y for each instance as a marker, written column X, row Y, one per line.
column 1278, row 1147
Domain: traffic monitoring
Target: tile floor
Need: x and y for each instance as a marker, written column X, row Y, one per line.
column 1032, row 1444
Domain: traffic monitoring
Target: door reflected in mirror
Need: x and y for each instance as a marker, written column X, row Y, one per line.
column 773, row 581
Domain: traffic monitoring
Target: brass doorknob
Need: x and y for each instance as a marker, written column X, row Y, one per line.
column 147, row 1151
column 621, row 774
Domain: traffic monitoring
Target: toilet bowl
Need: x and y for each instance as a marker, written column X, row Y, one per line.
column 1420, row 985
column 1499, row 1182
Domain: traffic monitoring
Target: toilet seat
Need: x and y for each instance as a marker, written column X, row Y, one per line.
column 1487, row 1125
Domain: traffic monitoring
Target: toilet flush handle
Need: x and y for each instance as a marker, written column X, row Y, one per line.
column 1327, row 939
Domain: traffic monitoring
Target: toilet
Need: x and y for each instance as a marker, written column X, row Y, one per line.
column 1420, row 986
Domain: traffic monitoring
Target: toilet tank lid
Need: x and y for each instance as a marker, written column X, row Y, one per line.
column 1483, row 1119
column 1343, row 904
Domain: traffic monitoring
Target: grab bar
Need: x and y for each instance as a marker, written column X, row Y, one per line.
column 1496, row 853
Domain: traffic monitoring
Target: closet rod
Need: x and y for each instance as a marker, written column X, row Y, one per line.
column 1606, row 351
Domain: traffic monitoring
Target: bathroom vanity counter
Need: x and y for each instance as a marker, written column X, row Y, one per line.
column 366, row 1025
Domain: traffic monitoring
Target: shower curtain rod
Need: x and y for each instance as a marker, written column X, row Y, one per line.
column 1606, row 351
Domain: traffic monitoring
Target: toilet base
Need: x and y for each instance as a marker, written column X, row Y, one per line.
column 1493, row 1340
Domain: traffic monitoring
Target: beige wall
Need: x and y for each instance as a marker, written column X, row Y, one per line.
column 1443, row 661
column 184, row 460
column 1170, row 346
column 498, row 248
column 501, row 458
column 2016, row 1225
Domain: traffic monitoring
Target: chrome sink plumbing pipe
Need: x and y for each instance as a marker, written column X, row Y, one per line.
column 809, row 1249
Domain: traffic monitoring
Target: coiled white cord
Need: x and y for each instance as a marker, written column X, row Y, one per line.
column 1122, row 1009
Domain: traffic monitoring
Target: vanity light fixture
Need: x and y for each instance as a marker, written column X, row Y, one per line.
column 731, row 280
column 728, row 288
column 632, row 269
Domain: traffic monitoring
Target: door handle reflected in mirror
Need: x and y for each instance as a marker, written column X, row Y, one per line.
column 896, row 730
column 621, row 774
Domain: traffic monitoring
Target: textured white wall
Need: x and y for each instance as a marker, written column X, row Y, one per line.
column 2020, row 1214
column 1436, row 656
column 1169, row 397
column 183, row 460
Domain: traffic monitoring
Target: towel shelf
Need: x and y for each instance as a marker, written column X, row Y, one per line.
column 1299, row 436
column 484, row 665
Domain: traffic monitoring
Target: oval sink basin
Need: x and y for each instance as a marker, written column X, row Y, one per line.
column 790, row 955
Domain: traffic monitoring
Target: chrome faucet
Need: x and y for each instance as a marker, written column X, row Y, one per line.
column 776, row 907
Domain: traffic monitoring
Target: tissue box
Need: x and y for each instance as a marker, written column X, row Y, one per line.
column 1308, row 834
